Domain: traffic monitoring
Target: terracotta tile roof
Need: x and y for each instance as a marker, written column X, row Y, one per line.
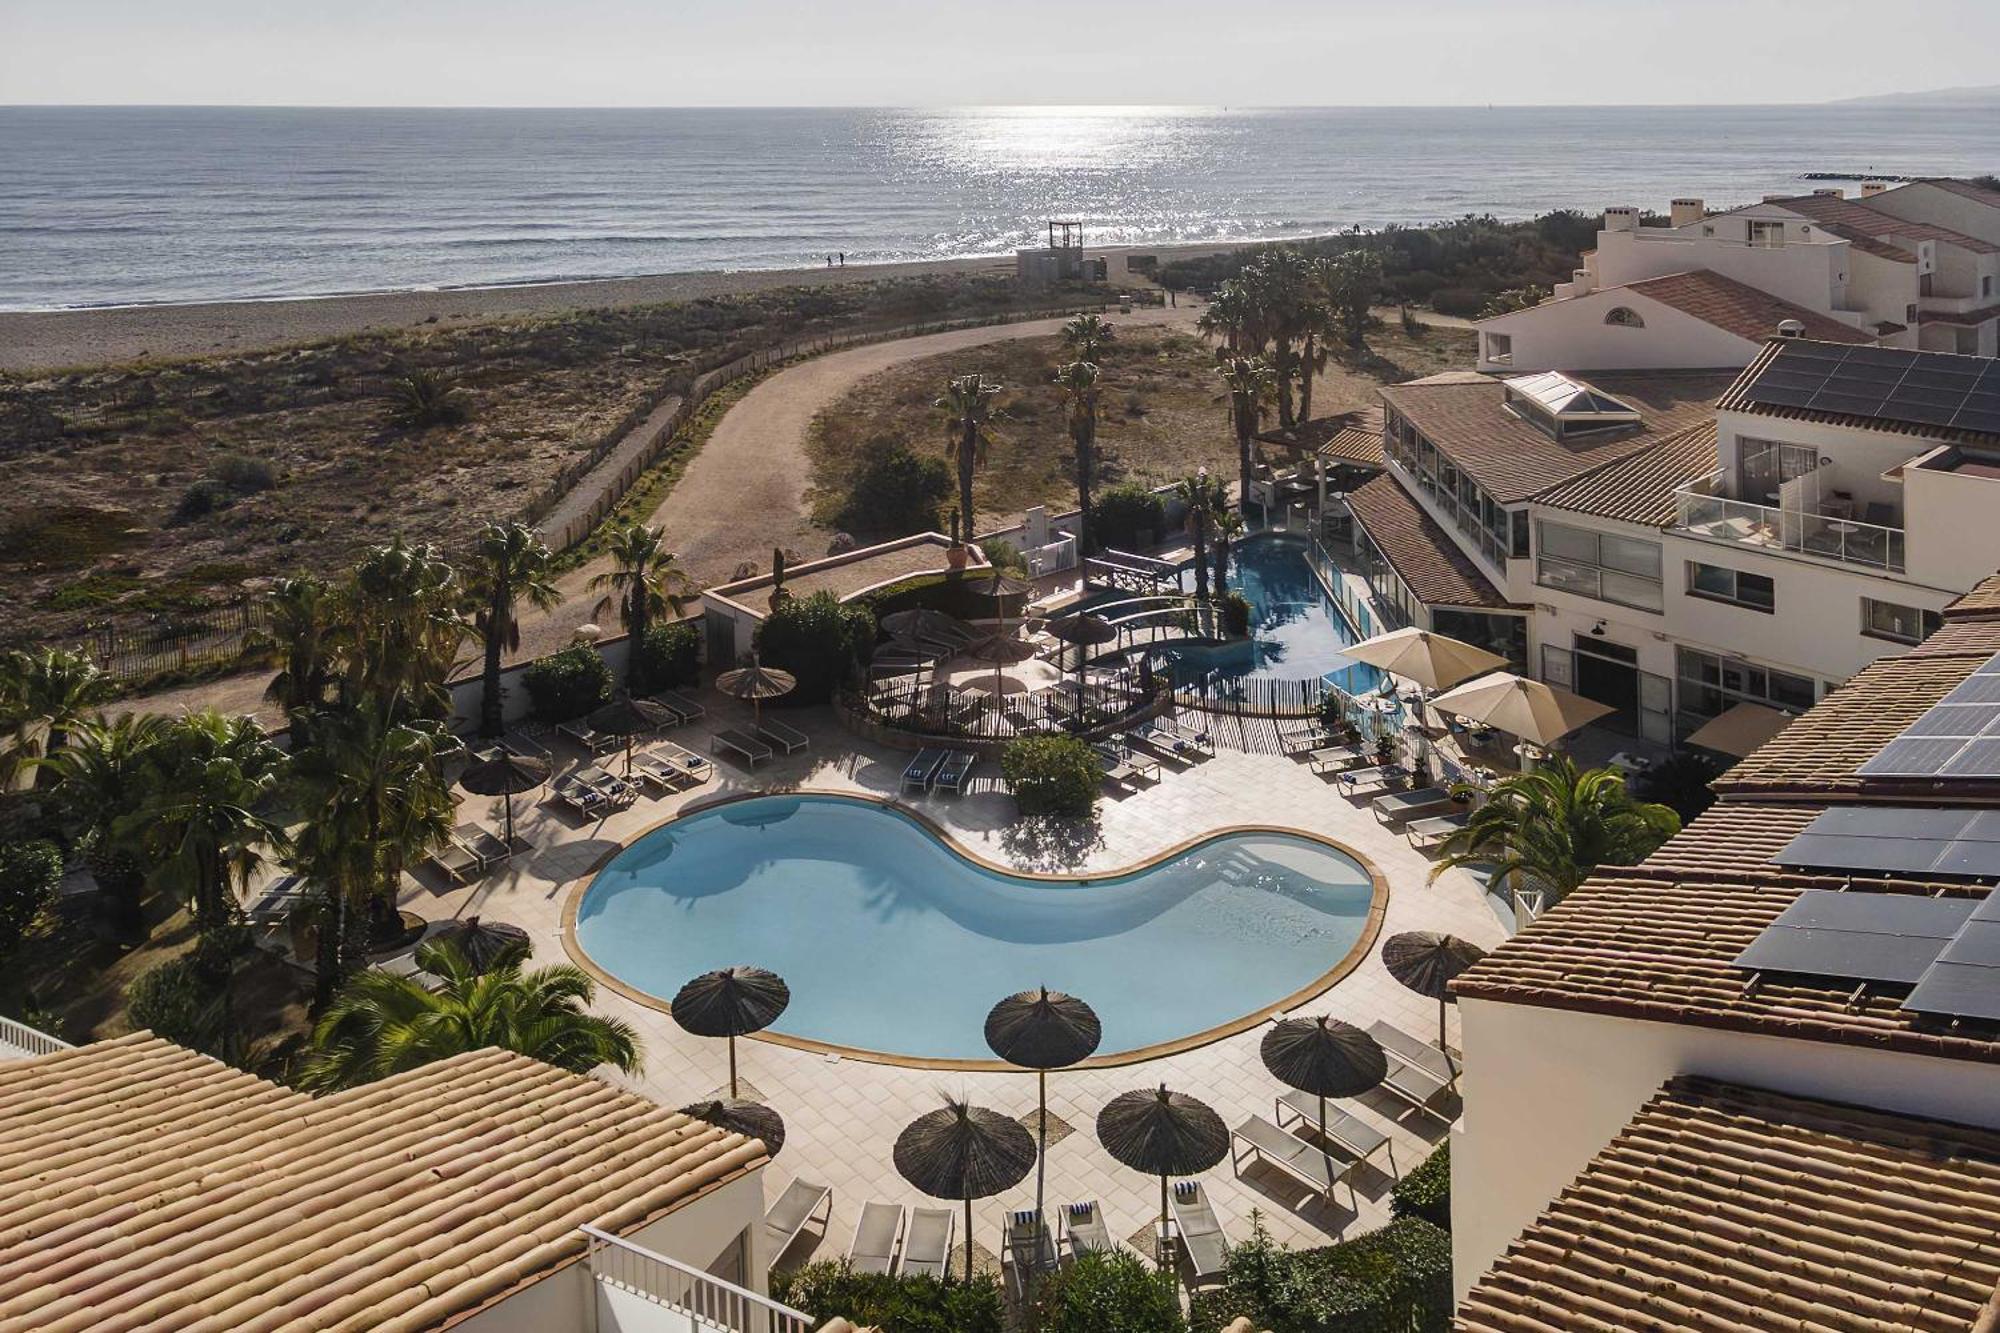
column 1418, row 548
column 1344, row 437
column 1963, row 189
column 1722, row 1208
column 1856, row 215
column 1640, row 488
column 1740, row 308
column 148, row 1187
column 1513, row 460
column 1736, row 399
column 1983, row 602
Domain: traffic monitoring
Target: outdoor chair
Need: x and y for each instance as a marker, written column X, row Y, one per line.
column 1026, row 1244
column 1338, row 758
column 688, row 708
column 592, row 742
column 790, row 1214
column 1362, row 779
column 785, row 738
column 1419, row 1073
column 1084, row 1226
column 658, row 771
column 578, row 796
column 1425, row 833
column 482, row 842
column 1320, row 1166
column 1402, row 805
column 458, row 863
column 951, row 774
column 752, row 750
column 927, row 1242
column 873, row 1249
column 524, row 745
column 920, row 770
column 698, row 766
column 1201, row 1236
column 1351, row 1132
column 1194, row 733
column 1144, row 737
column 615, row 791
column 277, row 900
column 1302, row 739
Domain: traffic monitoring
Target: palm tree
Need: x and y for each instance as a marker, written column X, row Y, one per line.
column 300, row 627
column 102, row 776
column 967, row 405
column 1351, row 285
column 42, row 696
column 1249, row 381
column 382, row 1024
column 1279, row 286
column 1078, row 382
column 1087, row 336
column 1547, row 831
column 644, row 581
column 1199, row 496
column 1231, row 317
column 425, row 398
column 400, row 627
column 513, row 564
column 1228, row 527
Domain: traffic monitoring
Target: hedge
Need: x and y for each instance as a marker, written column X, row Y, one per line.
column 670, row 656
column 820, row 640
column 177, row 1001
column 1127, row 516
column 1052, row 775
column 29, row 875
column 1105, row 1293
column 1396, row 1279
column 896, row 492
column 831, row 1290
column 567, row 684
column 949, row 593
column 1426, row 1191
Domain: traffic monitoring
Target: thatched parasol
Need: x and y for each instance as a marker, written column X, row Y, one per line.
column 731, row 1002
column 920, row 621
column 506, row 775
column 1002, row 650
column 753, row 1120
column 756, row 683
column 1042, row 1030
column 1326, row 1058
column 1163, row 1134
column 964, row 1152
column 630, row 718
column 1085, row 631
column 1426, row 962
column 484, row 943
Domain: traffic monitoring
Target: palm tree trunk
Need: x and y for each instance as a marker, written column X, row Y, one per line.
column 636, row 615
column 1084, row 467
column 1243, row 433
column 1306, row 380
column 1200, row 525
column 489, row 699
column 967, row 446
column 1287, row 365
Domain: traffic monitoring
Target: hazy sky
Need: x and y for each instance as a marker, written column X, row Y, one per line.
column 934, row 52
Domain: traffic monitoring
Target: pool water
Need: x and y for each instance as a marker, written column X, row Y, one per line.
column 1296, row 631
column 893, row 942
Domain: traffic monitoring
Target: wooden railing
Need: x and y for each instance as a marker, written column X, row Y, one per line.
column 718, row 1304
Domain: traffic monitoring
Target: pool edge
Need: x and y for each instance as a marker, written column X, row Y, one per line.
column 1371, row 928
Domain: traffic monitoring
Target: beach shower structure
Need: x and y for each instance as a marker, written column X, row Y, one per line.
column 1061, row 260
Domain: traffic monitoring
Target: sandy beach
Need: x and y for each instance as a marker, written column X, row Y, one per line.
column 32, row 341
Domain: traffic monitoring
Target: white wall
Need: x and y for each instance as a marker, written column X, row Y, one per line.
column 1546, row 1089
column 1954, row 526
column 1919, row 202
column 1572, row 335
column 1810, row 269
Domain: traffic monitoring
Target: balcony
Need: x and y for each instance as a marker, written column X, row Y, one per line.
column 639, row 1291
column 1701, row 511
column 18, row 1041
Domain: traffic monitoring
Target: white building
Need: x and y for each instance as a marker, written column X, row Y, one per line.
column 1913, row 266
column 1723, row 1089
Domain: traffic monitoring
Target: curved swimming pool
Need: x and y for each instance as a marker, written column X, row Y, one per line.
column 895, row 943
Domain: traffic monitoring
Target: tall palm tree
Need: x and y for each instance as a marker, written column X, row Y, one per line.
column 1086, row 337
column 381, row 1024
column 1249, row 381
column 1078, row 382
column 1547, row 831
column 1228, row 527
column 967, row 405
column 102, row 777
column 644, row 581
column 514, row 564
column 301, row 628
column 1199, row 495
column 1279, row 284
column 1231, row 318
column 43, row 696
column 401, row 626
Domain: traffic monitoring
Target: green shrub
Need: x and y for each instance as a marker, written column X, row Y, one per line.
column 1004, row 555
column 200, row 499
column 1234, row 610
column 243, row 474
column 178, row 1001
column 29, row 874
column 1105, row 1293
column 896, row 492
column 894, row 1304
column 1426, row 1191
column 1465, row 302
column 567, row 684
column 820, row 640
column 670, row 656
column 1127, row 516
column 949, row 593
column 1396, row 1279
column 1052, row 775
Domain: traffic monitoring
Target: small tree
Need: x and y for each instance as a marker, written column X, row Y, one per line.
column 1105, row 1293
column 513, row 566
column 1128, row 516
column 967, row 407
column 178, row 1001
column 1353, row 286
column 567, row 684
column 669, row 656
column 29, row 874
column 426, row 398
column 1053, row 775
column 644, row 584
column 896, row 492
column 819, row 640
column 1078, row 382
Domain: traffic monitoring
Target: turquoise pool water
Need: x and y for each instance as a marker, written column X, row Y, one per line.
column 1296, row 631
column 893, row 942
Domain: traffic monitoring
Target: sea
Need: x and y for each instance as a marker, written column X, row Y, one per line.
column 115, row 206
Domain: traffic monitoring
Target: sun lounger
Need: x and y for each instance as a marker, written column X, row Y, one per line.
column 1114, row 765
column 1357, row 1136
column 482, row 842
column 579, row 796
column 920, row 770
column 1338, row 758
column 1419, row 1073
column 927, row 1242
column 1424, row 833
column 524, row 745
column 680, row 756
column 1403, row 805
column 1321, row 1166
column 593, row 742
column 680, row 703
column 1084, row 1226
column 661, row 772
column 1152, row 742
column 785, row 738
column 1194, row 732
column 1299, row 740
column 457, row 862
column 1200, row 1234
column 873, row 1249
column 1363, row 779
column 753, row 750
column 1026, row 1243
column 276, row 902
column 615, row 791
column 790, row 1214
column 951, row 774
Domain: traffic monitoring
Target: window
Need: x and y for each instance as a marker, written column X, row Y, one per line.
column 1720, row 584
column 1898, row 624
column 1624, row 317
column 1711, row 685
column 1985, row 285
column 1767, row 235
column 1910, row 313
column 1600, row 565
column 1500, row 348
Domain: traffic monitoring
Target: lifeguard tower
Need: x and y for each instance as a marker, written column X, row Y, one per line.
column 1060, row 261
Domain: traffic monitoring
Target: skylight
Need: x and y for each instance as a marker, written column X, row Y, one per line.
column 1566, row 406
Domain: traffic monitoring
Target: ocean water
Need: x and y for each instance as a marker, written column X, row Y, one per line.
column 123, row 205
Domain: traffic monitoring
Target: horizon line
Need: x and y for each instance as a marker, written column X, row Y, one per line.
column 923, row 106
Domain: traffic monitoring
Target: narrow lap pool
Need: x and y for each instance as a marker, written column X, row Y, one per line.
column 894, row 943
column 1296, row 632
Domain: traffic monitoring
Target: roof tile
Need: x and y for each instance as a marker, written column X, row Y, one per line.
column 1640, row 488
column 1740, row 308
column 1418, row 548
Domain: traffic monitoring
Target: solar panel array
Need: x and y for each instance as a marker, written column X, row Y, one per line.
column 1858, row 936
column 1959, row 737
column 1917, row 843
column 1964, row 982
column 1938, row 389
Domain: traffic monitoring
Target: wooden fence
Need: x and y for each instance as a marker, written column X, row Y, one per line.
column 177, row 642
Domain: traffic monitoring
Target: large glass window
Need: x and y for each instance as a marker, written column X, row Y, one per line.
column 1711, row 685
column 1721, row 584
column 1600, row 565
column 1898, row 624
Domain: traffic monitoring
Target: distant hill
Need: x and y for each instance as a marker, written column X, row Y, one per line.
column 1988, row 96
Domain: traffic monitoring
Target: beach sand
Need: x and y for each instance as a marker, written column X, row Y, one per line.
column 56, row 339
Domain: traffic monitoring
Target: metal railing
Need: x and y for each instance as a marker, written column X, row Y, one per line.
column 29, row 1041
column 1701, row 512
column 668, row 1282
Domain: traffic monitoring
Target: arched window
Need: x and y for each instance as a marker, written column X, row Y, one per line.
column 1625, row 317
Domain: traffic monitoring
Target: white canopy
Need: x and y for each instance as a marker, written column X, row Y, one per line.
column 1434, row 661
column 1537, row 713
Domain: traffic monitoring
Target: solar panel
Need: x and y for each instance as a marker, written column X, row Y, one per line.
column 1886, row 937
column 1939, row 389
column 1953, row 739
column 1917, row 843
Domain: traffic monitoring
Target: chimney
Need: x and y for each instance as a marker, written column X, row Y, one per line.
column 1683, row 211
column 1830, row 192
column 1791, row 328
column 1621, row 217
column 1872, row 187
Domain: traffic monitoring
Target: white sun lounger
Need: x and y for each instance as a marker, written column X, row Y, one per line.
column 785, row 738
column 1349, row 1131
column 615, row 791
column 789, row 1216
column 524, row 745
column 460, row 864
column 1419, row 1073
column 1424, row 833
column 659, row 771
column 927, row 1242
column 1338, row 758
column 594, row 742
column 482, row 842
column 1084, row 1227
column 953, row 772
column 681, row 704
column 873, row 1249
column 920, row 770
column 1361, row 779
column 579, row 796
column 753, row 750
column 696, row 764
column 1321, row 1166
column 1403, row 805
column 1200, row 1234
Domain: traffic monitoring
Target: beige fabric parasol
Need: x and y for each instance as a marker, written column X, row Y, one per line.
column 1434, row 661
column 1537, row 713
column 1740, row 730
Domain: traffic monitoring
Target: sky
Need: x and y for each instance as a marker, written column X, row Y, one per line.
column 946, row 52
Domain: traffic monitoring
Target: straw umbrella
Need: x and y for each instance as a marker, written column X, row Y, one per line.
column 731, row 1002
column 1426, row 962
column 483, row 942
column 505, row 775
column 630, row 718
column 964, row 1152
column 1163, row 1134
column 1326, row 1058
column 1002, row 650
column 1042, row 1030
column 1085, row 631
column 756, row 683
column 753, row 1120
